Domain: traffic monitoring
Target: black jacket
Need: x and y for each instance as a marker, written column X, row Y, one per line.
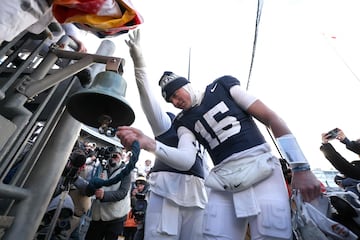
column 353, row 146
column 341, row 164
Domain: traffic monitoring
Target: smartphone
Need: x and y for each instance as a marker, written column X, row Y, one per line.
column 332, row 134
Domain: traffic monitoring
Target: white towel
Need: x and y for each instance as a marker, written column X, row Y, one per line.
column 245, row 203
column 169, row 218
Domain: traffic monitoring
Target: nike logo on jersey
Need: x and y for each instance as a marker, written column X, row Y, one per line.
column 213, row 88
column 237, row 185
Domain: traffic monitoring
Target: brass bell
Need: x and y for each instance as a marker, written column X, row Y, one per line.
column 103, row 104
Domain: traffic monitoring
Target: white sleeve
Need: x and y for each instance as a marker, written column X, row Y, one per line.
column 159, row 121
column 181, row 158
column 243, row 98
column 70, row 29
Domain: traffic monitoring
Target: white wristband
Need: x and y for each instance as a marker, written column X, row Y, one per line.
column 291, row 150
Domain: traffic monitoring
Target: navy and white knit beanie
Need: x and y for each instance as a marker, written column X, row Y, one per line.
column 169, row 83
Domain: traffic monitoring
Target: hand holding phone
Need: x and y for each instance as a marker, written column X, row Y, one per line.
column 332, row 134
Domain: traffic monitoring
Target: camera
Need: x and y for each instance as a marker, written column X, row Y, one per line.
column 104, row 155
column 70, row 173
column 104, row 152
column 332, row 134
column 140, row 207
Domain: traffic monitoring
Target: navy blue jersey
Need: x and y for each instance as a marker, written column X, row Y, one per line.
column 170, row 138
column 219, row 124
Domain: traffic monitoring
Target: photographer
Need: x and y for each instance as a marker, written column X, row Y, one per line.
column 350, row 169
column 112, row 203
column 345, row 206
column 139, row 196
column 74, row 204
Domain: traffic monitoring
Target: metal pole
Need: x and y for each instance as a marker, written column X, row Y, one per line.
column 43, row 179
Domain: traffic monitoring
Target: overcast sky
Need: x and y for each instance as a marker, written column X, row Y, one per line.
column 306, row 60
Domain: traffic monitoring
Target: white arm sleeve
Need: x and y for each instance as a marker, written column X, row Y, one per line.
column 181, row 158
column 159, row 121
column 71, row 30
column 242, row 97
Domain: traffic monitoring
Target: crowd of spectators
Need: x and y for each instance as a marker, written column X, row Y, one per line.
column 104, row 214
